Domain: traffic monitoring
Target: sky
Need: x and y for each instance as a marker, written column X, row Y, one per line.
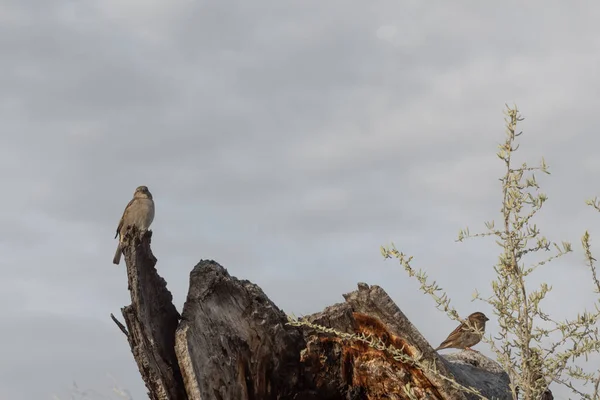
column 287, row 141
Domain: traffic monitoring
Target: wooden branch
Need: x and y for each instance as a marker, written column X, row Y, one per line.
column 151, row 320
column 119, row 325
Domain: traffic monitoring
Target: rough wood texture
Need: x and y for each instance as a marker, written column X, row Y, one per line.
column 474, row 369
column 233, row 342
column 366, row 373
column 151, row 321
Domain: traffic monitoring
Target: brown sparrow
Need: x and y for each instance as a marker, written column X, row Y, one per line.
column 139, row 213
column 463, row 337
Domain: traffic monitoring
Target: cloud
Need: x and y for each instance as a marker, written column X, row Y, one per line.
column 55, row 348
column 287, row 142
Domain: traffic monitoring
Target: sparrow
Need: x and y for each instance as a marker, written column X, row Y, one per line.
column 463, row 337
column 139, row 213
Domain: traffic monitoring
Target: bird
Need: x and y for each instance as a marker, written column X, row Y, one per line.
column 463, row 337
column 139, row 213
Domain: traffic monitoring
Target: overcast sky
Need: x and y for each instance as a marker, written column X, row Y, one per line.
column 286, row 140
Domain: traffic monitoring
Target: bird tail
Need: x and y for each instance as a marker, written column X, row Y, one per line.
column 444, row 345
column 117, row 257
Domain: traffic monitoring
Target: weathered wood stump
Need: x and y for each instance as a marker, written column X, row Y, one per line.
column 151, row 321
column 234, row 343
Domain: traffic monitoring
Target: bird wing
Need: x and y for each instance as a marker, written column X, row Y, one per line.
column 453, row 335
column 123, row 217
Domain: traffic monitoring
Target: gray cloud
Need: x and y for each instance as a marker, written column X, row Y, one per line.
column 286, row 142
column 50, row 349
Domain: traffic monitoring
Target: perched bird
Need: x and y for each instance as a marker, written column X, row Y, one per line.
column 139, row 213
column 464, row 337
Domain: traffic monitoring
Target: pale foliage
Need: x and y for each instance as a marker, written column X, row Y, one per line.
column 532, row 347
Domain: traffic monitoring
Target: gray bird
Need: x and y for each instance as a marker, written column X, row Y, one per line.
column 139, row 213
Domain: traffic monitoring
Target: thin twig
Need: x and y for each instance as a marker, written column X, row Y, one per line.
column 119, row 324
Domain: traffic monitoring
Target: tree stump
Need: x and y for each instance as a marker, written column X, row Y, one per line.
column 234, row 343
column 151, row 320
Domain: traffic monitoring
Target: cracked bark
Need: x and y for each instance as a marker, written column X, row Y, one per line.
column 234, row 343
column 151, row 320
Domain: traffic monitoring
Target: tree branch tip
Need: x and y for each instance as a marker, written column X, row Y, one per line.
column 119, row 324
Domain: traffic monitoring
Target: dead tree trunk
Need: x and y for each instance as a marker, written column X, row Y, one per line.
column 151, row 321
column 233, row 343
